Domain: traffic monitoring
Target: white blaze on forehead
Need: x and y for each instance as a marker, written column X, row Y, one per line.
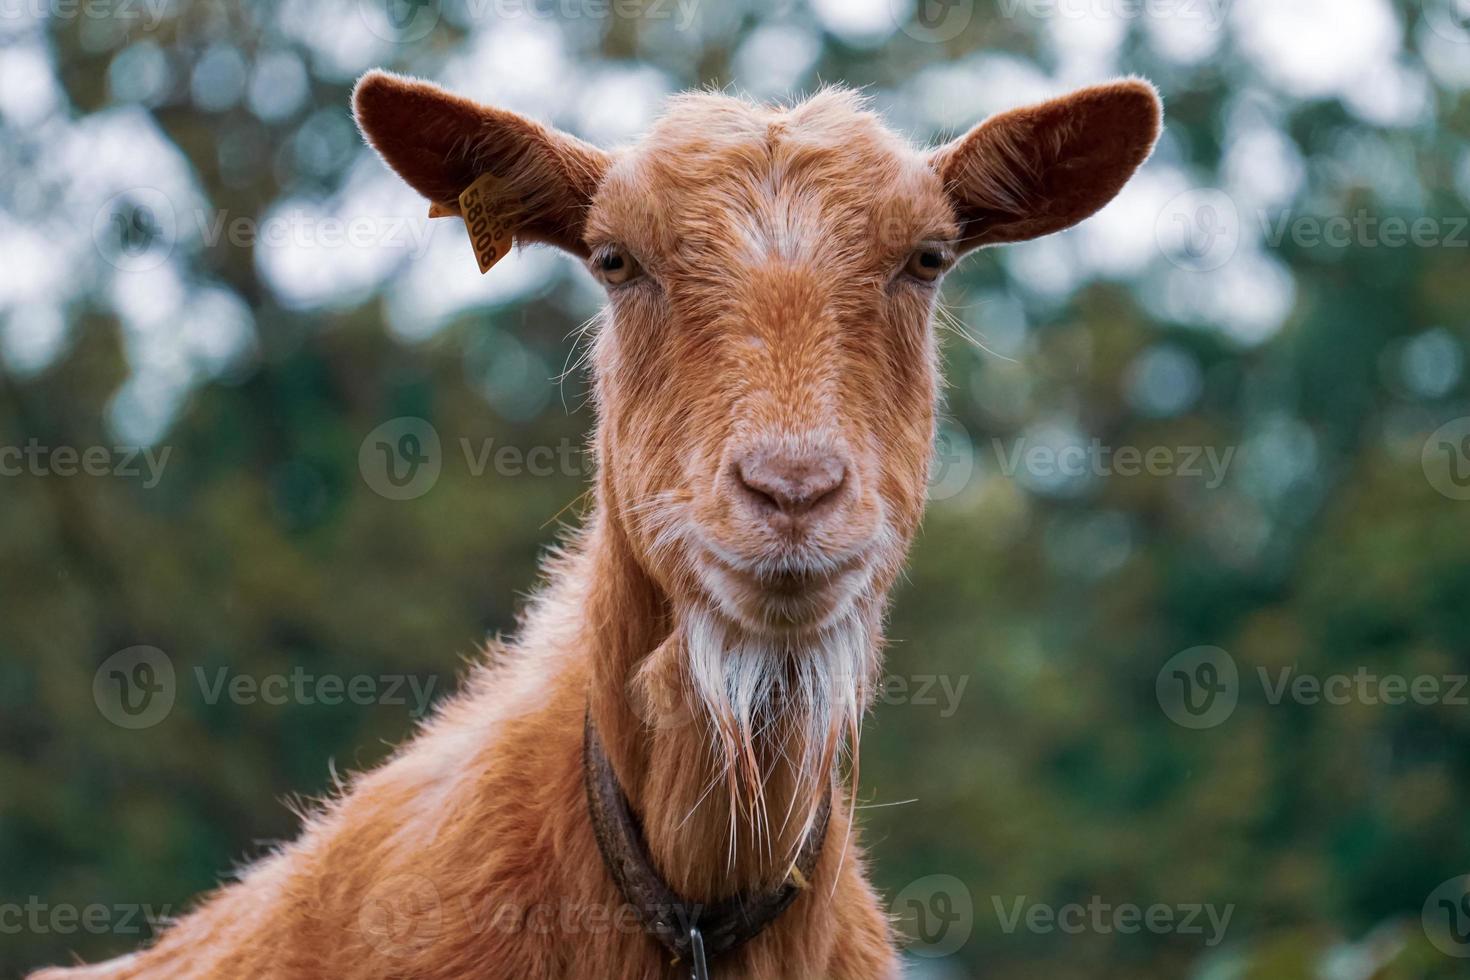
column 785, row 223
column 791, row 217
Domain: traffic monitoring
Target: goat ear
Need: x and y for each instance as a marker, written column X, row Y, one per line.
column 440, row 143
column 1032, row 171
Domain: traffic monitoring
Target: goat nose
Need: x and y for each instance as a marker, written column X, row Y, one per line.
column 791, row 484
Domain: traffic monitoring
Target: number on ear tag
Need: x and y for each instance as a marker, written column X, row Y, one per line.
column 490, row 218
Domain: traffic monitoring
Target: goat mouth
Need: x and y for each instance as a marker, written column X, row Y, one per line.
column 784, row 599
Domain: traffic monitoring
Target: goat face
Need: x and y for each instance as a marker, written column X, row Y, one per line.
column 765, row 368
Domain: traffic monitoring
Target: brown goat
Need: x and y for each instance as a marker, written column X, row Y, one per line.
column 765, row 382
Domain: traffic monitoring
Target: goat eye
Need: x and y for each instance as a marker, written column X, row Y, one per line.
column 615, row 266
column 926, row 264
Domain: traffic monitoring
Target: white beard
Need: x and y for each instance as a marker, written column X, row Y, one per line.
column 770, row 700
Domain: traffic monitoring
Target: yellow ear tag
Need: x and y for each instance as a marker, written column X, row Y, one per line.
column 489, row 218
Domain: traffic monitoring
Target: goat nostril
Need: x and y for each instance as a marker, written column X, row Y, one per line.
column 748, row 475
column 791, row 485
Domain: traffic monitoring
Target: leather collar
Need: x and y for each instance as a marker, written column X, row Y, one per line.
column 679, row 925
